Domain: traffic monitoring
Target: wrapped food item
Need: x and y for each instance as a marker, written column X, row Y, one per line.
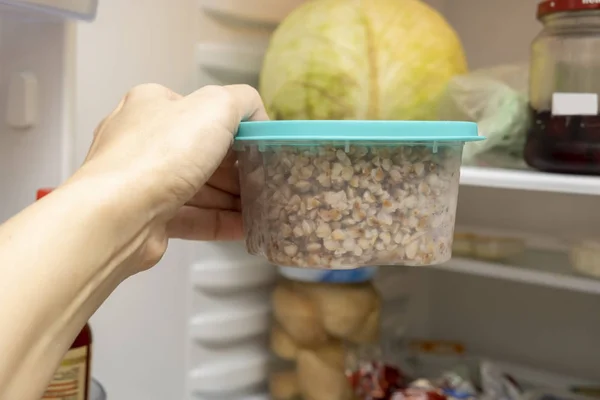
column 417, row 394
column 371, row 376
column 454, row 385
column 483, row 244
column 497, row 385
column 496, row 99
column 375, row 380
column 585, row 257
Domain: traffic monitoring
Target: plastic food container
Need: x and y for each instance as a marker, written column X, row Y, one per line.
column 564, row 88
column 484, row 245
column 344, row 194
column 585, row 257
column 318, row 317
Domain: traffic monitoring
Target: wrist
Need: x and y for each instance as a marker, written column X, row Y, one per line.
column 127, row 204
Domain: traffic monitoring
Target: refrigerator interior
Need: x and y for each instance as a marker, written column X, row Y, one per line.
column 194, row 327
column 528, row 316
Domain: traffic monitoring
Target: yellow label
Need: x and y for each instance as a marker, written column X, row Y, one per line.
column 69, row 381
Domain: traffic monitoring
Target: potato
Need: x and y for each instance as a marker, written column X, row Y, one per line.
column 283, row 385
column 369, row 331
column 344, row 309
column 321, row 374
column 282, row 343
column 298, row 316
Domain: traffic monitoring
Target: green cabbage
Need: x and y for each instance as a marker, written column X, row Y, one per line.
column 360, row 59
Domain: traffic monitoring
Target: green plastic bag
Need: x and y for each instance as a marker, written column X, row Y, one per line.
column 496, row 99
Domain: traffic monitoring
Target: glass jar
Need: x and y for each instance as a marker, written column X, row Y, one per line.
column 564, row 87
column 325, row 323
column 97, row 391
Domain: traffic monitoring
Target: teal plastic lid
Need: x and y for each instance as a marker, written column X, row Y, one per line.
column 348, row 130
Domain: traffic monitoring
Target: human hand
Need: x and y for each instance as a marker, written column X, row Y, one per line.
column 171, row 156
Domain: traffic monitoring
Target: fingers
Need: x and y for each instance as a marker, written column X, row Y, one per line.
column 193, row 223
column 213, row 198
column 249, row 102
column 242, row 102
column 226, row 179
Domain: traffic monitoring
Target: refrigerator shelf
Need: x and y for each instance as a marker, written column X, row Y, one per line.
column 538, row 267
column 238, row 58
column 529, row 180
column 264, row 12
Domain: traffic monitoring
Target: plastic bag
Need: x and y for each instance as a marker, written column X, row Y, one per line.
column 496, row 99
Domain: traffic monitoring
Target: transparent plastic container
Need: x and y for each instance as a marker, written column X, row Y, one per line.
column 564, row 87
column 318, row 319
column 344, row 194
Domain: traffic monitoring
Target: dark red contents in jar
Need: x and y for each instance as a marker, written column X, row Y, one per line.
column 566, row 144
column 376, row 381
column 417, row 394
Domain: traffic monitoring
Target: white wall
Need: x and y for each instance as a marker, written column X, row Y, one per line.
column 139, row 332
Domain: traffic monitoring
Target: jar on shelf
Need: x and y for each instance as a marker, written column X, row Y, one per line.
column 97, row 391
column 322, row 321
column 564, row 86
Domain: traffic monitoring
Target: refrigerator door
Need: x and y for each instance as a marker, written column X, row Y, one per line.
column 73, row 9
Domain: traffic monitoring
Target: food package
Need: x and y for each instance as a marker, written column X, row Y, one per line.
column 496, row 99
column 585, row 257
column 497, row 385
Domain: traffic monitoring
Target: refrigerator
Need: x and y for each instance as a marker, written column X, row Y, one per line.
column 194, row 327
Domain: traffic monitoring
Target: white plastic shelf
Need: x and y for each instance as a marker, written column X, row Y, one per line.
column 539, row 267
column 228, row 322
column 231, row 327
column 530, row 180
column 264, row 12
column 230, row 375
column 239, row 58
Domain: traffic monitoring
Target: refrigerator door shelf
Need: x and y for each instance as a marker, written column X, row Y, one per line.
column 230, row 328
column 223, row 276
column 247, row 371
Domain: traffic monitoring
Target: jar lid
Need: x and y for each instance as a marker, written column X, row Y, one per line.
column 43, row 192
column 359, row 131
column 356, row 275
column 548, row 7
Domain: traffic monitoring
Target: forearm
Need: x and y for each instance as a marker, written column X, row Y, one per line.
column 59, row 260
